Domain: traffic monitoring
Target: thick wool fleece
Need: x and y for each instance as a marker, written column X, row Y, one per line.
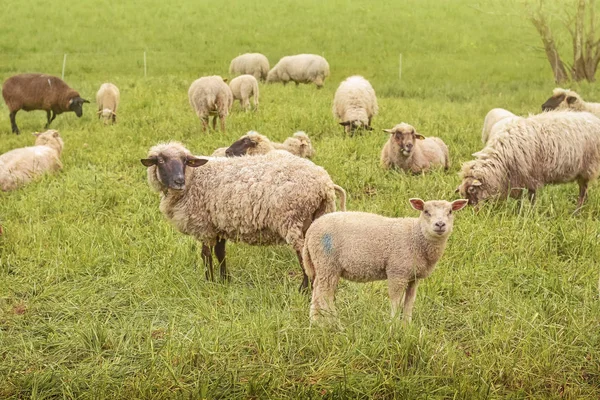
column 300, row 68
column 494, row 119
column 107, row 99
column 243, row 88
column 355, row 100
column 210, row 95
column 254, row 64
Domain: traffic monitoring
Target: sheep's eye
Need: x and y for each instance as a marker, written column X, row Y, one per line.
column 450, row 212
column 161, row 160
column 427, row 213
column 471, row 189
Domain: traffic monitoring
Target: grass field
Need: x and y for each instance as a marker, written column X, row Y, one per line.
column 101, row 298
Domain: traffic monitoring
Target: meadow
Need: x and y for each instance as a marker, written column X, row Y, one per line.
column 100, row 298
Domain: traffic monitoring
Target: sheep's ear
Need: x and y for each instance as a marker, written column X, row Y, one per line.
column 55, row 134
column 346, row 123
column 85, row 101
column 417, row 204
column 389, row 130
column 457, row 190
column 419, row 136
column 225, row 79
column 194, row 162
column 459, row 204
column 148, row 162
column 571, row 99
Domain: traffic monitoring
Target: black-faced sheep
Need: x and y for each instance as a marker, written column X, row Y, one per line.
column 355, row 104
column 253, row 143
column 565, row 99
column 210, row 95
column 108, row 98
column 254, row 64
column 301, row 68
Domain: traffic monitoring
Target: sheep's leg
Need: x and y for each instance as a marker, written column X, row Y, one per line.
column 205, row 124
column 222, row 119
column 323, row 298
column 48, row 116
column 13, row 122
column 304, row 284
column 220, row 253
column 583, row 184
column 409, row 300
column 369, row 122
column 247, row 105
column 214, row 123
column 208, row 262
column 396, row 289
column 114, row 118
column 50, row 119
column 531, row 195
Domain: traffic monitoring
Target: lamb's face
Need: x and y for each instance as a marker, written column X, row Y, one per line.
column 437, row 218
column 240, row 147
column 50, row 137
column 170, row 164
column 560, row 101
column 474, row 190
column 405, row 137
column 106, row 115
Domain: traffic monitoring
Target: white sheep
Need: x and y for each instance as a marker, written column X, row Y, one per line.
column 404, row 151
column 108, row 98
column 243, row 88
column 565, row 99
column 494, row 121
column 261, row 200
column 364, row 247
column 18, row 167
column 210, row 95
column 355, row 104
column 301, row 68
column 254, row 64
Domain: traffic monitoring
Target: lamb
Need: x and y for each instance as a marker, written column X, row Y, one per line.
column 495, row 120
column 210, row 95
column 555, row 147
column 403, row 151
column 565, row 99
column 355, row 104
column 301, row 68
column 254, row 64
column 242, row 88
column 364, row 247
column 18, row 167
column 40, row 92
column 261, row 200
column 108, row 98
column 253, row 143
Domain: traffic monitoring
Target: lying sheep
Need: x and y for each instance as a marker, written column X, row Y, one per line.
column 301, row 68
column 555, row 147
column 365, row 247
column 40, row 92
column 355, row 104
column 18, row 167
column 261, row 200
column 494, row 122
column 253, row 143
column 210, row 95
column 107, row 98
column 404, row 151
column 242, row 88
column 565, row 99
column 254, row 64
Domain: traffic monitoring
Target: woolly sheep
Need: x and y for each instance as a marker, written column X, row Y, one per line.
column 254, row 64
column 253, row 143
column 301, row 68
column 355, row 104
column 210, row 95
column 404, row 151
column 555, row 147
column 108, row 98
column 40, row 92
column 242, row 88
column 18, row 167
column 495, row 120
column 565, row 99
column 365, row 247
column 261, row 200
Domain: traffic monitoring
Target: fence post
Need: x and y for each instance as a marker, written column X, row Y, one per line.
column 64, row 65
column 400, row 68
column 145, row 67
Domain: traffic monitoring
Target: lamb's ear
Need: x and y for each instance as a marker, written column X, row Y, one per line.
column 148, row 162
column 225, row 79
column 459, row 204
column 389, row 130
column 419, row 136
column 194, row 162
column 457, row 190
column 571, row 99
column 55, row 134
column 346, row 123
column 417, row 204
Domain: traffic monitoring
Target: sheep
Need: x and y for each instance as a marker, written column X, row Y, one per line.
column 301, row 68
column 107, row 98
column 494, row 122
column 364, row 247
column 261, row 200
column 253, row 143
column 565, row 99
column 242, row 88
column 18, row 167
column 210, row 95
column 254, row 64
column 555, row 147
column 355, row 104
column 403, row 151
column 40, row 92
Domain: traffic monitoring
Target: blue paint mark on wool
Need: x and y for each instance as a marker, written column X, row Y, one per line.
column 327, row 243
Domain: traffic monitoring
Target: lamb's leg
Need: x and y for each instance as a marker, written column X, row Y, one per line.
column 369, row 122
column 204, row 124
column 304, row 284
column 220, row 253
column 13, row 122
column 396, row 288
column 208, row 262
column 583, row 184
column 222, row 118
column 246, row 105
column 214, row 123
column 323, row 298
column 409, row 300
column 114, row 118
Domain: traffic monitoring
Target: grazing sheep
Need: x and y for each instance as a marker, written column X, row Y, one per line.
column 494, row 122
column 210, row 95
column 242, row 88
column 404, row 151
column 555, row 147
column 40, row 92
column 301, row 68
column 107, row 98
column 253, row 143
column 565, row 99
column 261, row 200
column 254, row 64
column 18, row 167
column 365, row 247
column 355, row 104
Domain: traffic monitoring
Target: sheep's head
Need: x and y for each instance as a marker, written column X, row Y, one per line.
column 562, row 99
column 437, row 217
column 49, row 138
column 76, row 105
column 405, row 137
column 306, row 149
column 167, row 165
column 352, row 126
column 107, row 115
column 251, row 143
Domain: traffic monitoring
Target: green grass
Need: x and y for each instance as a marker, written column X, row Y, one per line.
column 101, row 298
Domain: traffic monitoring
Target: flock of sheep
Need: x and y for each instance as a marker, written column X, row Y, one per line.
column 260, row 192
